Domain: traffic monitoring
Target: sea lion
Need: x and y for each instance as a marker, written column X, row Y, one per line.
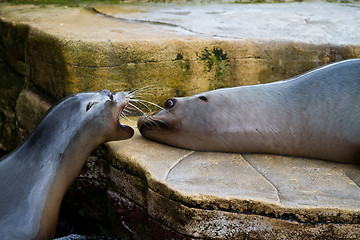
column 35, row 177
column 316, row 115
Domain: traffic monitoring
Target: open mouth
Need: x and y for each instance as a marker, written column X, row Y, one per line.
column 121, row 114
column 118, row 119
column 116, row 106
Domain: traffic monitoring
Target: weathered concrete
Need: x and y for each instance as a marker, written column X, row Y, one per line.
column 222, row 195
column 73, row 49
column 315, row 23
column 148, row 190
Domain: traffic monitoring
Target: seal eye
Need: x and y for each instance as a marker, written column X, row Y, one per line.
column 203, row 98
column 170, row 103
column 90, row 104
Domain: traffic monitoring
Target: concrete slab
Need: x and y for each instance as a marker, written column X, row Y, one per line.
column 220, row 174
column 307, row 22
column 280, row 180
column 212, row 194
column 308, row 182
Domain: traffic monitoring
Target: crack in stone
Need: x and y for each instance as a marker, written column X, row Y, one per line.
column 351, row 179
column 173, row 166
column 19, row 66
column 99, row 181
column 160, row 23
column 268, row 180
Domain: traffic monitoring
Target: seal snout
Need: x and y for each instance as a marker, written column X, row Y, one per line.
column 141, row 123
column 107, row 93
column 153, row 122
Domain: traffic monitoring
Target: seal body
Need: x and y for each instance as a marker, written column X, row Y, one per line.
column 35, row 177
column 316, row 114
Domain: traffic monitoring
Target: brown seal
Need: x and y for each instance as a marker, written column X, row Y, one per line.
column 316, row 114
column 35, row 177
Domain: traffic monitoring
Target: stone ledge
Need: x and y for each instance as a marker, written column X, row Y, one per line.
column 280, row 186
column 219, row 195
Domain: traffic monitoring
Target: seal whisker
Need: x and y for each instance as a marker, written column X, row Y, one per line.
column 142, row 96
column 138, row 109
column 132, row 109
column 142, row 89
column 125, row 117
column 145, row 101
column 126, row 112
column 154, row 123
column 139, row 89
column 137, row 99
column 139, row 94
column 140, row 102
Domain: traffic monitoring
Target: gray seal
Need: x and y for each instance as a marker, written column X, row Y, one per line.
column 316, row 115
column 35, row 177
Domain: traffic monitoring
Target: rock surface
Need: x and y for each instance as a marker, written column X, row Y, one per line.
column 312, row 22
column 143, row 189
column 221, row 195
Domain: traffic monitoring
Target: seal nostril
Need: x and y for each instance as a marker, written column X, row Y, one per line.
column 111, row 96
column 108, row 93
column 203, row 98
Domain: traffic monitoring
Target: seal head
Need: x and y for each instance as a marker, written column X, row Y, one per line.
column 104, row 110
column 180, row 120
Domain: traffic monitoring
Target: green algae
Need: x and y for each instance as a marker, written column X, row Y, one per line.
column 215, row 60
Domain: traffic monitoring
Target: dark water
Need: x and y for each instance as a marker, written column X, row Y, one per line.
column 73, row 226
column 3, row 152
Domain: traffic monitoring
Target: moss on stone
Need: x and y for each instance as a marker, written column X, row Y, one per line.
column 215, row 61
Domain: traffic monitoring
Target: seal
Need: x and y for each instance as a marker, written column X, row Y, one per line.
column 35, row 177
column 316, row 115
